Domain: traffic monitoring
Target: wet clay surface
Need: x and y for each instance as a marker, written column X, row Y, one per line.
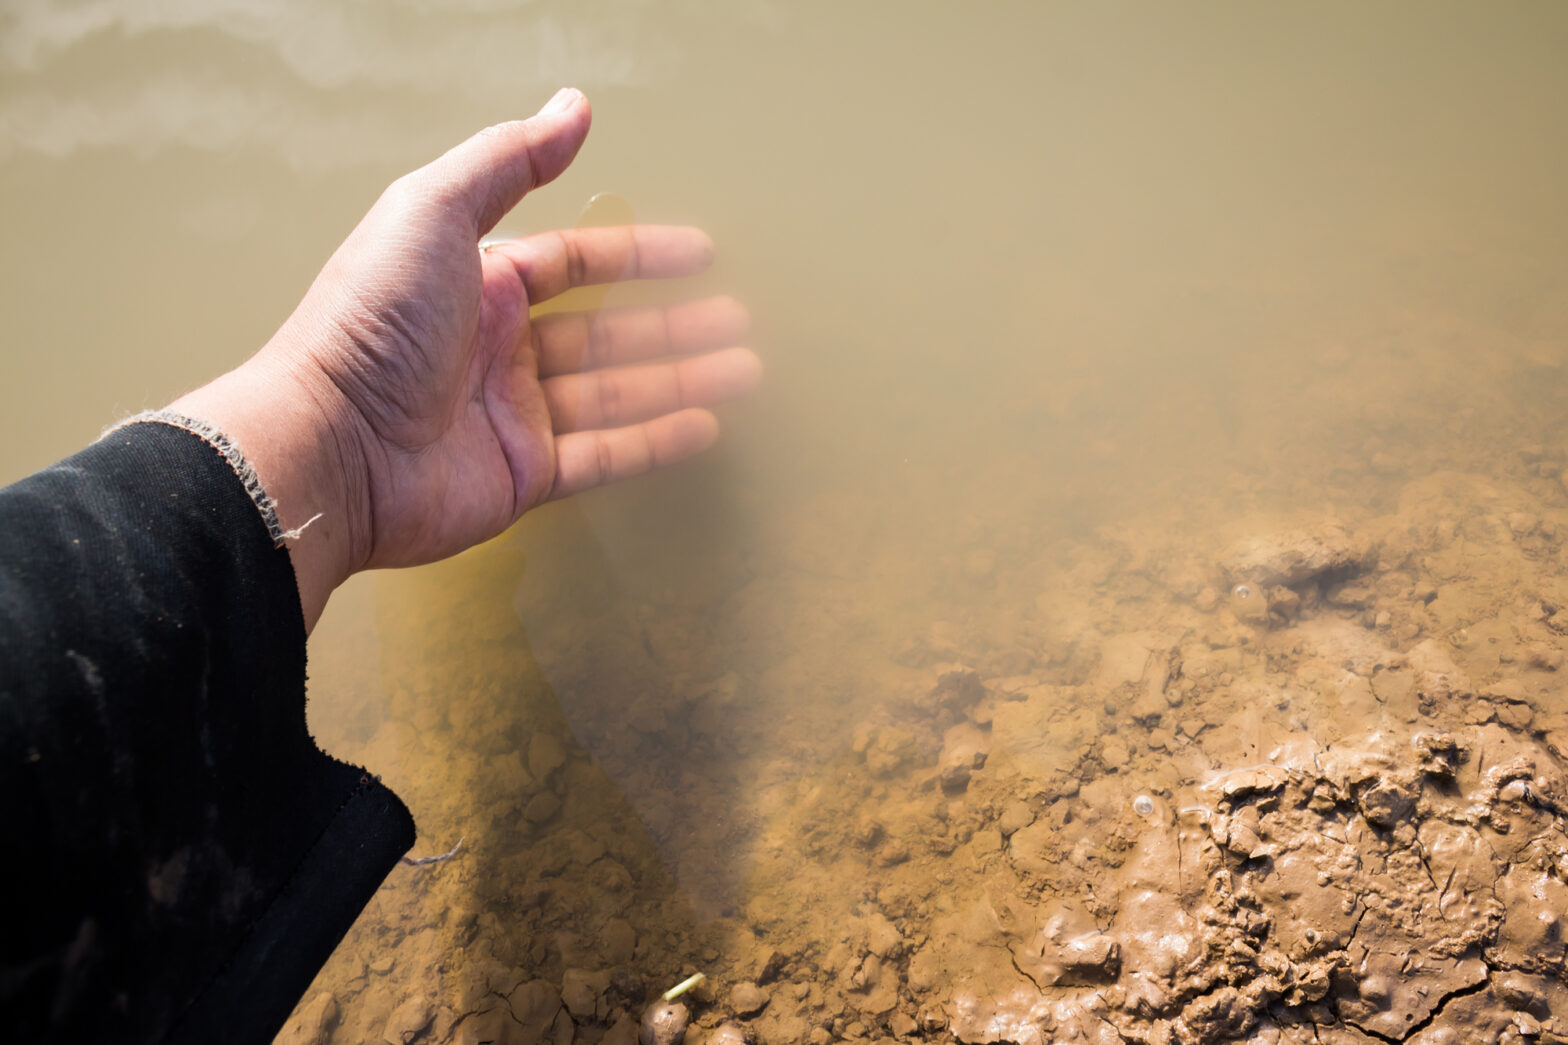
column 1183, row 775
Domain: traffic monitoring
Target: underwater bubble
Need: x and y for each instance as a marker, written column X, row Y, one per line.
column 1249, row 603
column 1143, row 805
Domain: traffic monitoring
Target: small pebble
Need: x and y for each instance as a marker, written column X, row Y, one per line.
column 1016, row 815
column 747, row 999
column 1521, row 523
column 541, row 807
column 955, row 779
column 407, row 1021
column 980, row 564
column 729, row 1034
column 1544, row 657
column 664, row 1023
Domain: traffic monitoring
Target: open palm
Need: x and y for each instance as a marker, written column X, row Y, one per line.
column 460, row 413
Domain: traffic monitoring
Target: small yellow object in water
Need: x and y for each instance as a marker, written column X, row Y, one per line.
column 604, row 210
column 685, row 985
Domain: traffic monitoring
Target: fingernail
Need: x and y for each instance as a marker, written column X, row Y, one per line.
column 564, row 99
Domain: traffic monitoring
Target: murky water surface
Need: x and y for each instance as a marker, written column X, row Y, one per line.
column 1130, row 612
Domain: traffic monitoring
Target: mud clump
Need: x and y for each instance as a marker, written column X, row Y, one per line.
column 1351, row 889
column 1353, row 892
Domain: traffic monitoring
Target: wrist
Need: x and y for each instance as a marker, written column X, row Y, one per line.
column 308, row 457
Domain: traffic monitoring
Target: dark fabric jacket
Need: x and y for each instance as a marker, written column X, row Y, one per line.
column 179, row 858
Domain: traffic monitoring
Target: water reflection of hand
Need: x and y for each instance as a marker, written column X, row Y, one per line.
column 411, row 402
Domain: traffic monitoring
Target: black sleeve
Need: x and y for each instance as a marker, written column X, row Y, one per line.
column 179, row 858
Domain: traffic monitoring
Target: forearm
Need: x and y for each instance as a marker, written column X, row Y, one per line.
column 306, row 460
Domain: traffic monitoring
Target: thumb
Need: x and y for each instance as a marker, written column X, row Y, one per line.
column 489, row 173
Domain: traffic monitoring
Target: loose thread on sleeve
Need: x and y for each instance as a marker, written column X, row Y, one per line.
column 230, row 452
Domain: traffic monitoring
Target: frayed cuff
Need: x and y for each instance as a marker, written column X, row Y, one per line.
column 230, row 452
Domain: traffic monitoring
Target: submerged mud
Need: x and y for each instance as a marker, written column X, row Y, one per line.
column 1229, row 771
column 1337, row 819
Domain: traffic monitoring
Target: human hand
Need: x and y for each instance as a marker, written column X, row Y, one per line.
column 411, row 401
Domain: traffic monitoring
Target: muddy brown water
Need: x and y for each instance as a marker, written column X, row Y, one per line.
column 1134, row 610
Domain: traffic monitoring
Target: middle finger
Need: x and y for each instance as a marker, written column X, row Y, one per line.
column 627, row 395
column 572, row 342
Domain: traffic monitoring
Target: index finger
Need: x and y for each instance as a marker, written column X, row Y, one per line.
column 552, row 263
